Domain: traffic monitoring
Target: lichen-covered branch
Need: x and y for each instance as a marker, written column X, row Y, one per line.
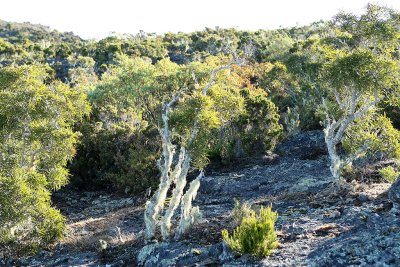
column 334, row 130
column 180, row 183
column 156, row 203
column 189, row 214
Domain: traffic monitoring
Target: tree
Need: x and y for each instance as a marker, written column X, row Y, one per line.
column 358, row 80
column 177, row 174
column 353, row 67
column 36, row 142
column 121, row 140
column 360, row 73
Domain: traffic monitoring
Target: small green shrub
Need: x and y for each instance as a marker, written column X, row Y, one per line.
column 256, row 234
column 389, row 174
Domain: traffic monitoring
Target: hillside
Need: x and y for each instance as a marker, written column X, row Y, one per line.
column 15, row 33
column 315, row 227
column 218, row 147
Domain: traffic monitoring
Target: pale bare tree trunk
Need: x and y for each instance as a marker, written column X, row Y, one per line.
column 156, row 203
column 180, row 184
column 189, row 214
column 334, row 130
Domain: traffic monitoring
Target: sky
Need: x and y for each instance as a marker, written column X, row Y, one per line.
column 98, row 18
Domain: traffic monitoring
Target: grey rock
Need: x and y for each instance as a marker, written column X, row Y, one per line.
column 335, row 214
column 226, row 254
column 306, row 145
column 363, row 197
column 394, row 195
column 177, row 254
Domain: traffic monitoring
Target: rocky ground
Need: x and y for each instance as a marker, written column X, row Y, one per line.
column 316, row 226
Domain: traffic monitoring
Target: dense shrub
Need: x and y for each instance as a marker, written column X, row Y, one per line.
column 121, row 159
column 377, row 134
column 257, row 129
column 389, row 174
column 255, row 235
column 36, row 142
column 120, row 140
column 118, row 147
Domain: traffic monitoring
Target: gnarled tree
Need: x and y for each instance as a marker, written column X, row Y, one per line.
column 360, row 73
column 358, row 80
column 176, row 174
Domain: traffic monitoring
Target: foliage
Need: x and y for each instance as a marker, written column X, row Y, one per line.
column 288, row 83
column 37, row 141
column 82, row 72
column 120, row 140
column 280, row 85
column 128, row 77
column 257, row 129
column 361, row 70
column 255, row 235
column 377, row 131
column 389, row 174
column 357, row 75
column 118, row 145
column 352, row 67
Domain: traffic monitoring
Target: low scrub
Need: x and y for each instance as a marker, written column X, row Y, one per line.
column 255, row 235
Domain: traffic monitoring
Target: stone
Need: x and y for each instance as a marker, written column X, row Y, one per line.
column 394, row 195
column 363, row 197
column 226, row 254
column 306, row 145
column 335, row 214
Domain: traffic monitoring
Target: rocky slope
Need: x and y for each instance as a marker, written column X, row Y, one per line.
column 316, row 227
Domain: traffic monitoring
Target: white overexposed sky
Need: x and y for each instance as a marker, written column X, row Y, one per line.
column 97, row 18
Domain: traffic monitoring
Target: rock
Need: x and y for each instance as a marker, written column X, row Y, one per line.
column 335, row 214
column 307, row 145
column 394, row 195
column 364, row 247
column 294, row 232
column 270, row 158
column 363, row 197
column 226, row 254
column 176, row 254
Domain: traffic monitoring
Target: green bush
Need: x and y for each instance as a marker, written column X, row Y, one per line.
column 377, row 133
column 122, row 159
column 120, row 142
column 255, row 131
column 255, row 235
column 389, row 174
column 36, row 142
